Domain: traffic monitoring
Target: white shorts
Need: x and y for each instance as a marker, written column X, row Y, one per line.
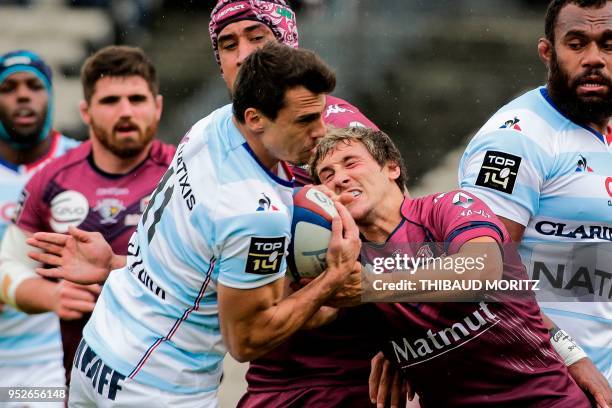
column 104, row 387
column 50, row 374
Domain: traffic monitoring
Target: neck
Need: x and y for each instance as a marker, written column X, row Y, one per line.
column 25, row 156
column 379, row 225
column 110, row 163
column 254, row 142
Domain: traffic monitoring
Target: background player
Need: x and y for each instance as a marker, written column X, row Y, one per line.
column 491, row 353
column 557, row 165
column 30, row 346
column 104, row 184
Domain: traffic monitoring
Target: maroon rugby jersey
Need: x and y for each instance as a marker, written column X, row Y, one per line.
column 493, row 354
column 71, row 190
column 335, row 355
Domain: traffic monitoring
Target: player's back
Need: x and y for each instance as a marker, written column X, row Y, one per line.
column 157, row 319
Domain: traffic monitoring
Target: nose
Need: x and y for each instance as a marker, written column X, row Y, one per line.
column 245, row 48
column 125, row 108
column 341, row 180
column 24, row 94
column 593, row 57
column 319, row 129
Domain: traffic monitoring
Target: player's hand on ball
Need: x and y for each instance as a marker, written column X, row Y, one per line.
column 344, row 246
column 344, row 198
column 79, row 256
column 592, row 382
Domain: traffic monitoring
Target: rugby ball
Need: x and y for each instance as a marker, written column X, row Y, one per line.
column 310, row 232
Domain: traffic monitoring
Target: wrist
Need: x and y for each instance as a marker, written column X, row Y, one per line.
column 116, row 262
column 565, row 346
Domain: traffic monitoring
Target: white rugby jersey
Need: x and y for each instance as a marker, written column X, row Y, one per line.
column 533, row 165
column 27, row 339
column 217, row 216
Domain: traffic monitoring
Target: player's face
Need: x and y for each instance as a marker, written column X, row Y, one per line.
column 293, row 135
column 351, row 169
column 23, row 105
column 580, row 66
column 236, row 42
column 123, row 114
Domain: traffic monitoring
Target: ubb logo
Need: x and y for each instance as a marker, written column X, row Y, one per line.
column 609, row 186
column 68, row 208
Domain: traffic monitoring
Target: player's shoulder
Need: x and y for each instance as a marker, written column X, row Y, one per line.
column 162, row 153
column 532, row 116
column 216, row 134
column 340, row 113
column 65, row 161
column 65, row 143
column 447, row 201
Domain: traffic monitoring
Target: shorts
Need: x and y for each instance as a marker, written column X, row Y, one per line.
column 99, row 385
column 49, row 374
column 310, row 397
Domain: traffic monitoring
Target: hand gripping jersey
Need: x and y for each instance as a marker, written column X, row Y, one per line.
column 73, row 191
column 27, row 339
column 321, row 357
column 534, row 166
column 467, row 354
column 157, row 321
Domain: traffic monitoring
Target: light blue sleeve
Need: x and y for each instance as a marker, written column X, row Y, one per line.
column 252, row 249
column 506, row 169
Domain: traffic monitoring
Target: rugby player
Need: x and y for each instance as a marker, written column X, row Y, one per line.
column 312, row 366
column 485, row 354
column 213, row 263
column 30, row 346
column 542, row 163
column 103, row 185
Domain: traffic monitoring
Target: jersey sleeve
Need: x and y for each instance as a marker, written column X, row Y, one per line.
column 506, row 169
column 31, row 207
column 459, row 216
column 252, row 249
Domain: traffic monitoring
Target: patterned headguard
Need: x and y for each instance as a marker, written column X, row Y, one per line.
column 27, row 61
column 276, row 14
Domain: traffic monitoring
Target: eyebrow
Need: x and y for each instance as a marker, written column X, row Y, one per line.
column 308, row 117
column 249, row 29
column 583, row 34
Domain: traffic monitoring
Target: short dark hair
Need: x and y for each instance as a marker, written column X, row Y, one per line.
column 117, row 61
column 268, row 73
column 554, row 8
column 377, row 143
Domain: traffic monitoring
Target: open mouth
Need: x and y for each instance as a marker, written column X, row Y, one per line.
column 126, row 128
column 24, row 117
column 592, row 84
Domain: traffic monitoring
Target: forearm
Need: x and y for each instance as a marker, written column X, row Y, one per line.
column 270, row 325
column 35, row 295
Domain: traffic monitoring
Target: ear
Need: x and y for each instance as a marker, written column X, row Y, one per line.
column 254, row 120
column 159, row 102
column 545, row 51
column 394, row 170
column 84, row 111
